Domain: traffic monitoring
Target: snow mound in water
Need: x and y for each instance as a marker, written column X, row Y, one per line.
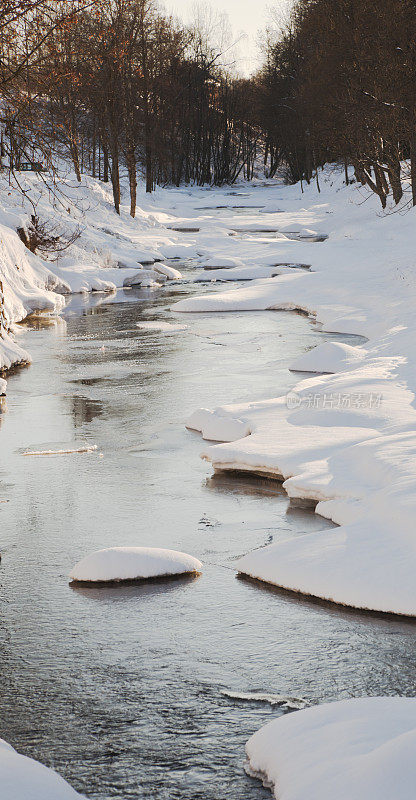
column 217, row 428
column 143, row 277
column 3, row 386
column 222, row 262
column 360, row 749
column 132, row 563
column 22, row 778
column 329, row 357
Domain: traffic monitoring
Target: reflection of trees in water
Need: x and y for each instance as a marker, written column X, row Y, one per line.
column 84, row 409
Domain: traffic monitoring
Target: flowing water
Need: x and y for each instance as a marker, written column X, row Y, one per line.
column 124, row 690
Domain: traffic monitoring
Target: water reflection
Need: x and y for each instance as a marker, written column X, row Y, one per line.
column 244, row 483
column 84, row 409
column 129, row 591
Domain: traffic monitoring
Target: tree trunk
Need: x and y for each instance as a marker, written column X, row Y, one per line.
column 395, row 177
column 131, row 167
column 105, row 160
column 148, row 149
column 73, row 149
column 413, row 165
column 115, row 171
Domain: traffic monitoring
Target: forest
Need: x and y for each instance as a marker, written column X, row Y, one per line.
column 119, row 83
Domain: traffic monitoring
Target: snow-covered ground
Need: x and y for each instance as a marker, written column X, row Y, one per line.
column 115, row 564
column 22, row 778
column 360, row 749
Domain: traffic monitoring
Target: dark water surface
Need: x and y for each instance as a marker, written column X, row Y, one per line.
column 121, row 689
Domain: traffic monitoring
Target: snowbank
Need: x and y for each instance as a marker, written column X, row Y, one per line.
column 361, row 749
column 11, row 354
column 22, row 778
column 329, row 357
column 109, row 252
column 215, row 427
column 344, row 440
column 132, row 563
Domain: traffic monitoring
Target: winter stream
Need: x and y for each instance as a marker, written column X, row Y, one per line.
column 124, row 690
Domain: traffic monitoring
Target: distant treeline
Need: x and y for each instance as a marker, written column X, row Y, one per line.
column 117, row 84
column 340, row 85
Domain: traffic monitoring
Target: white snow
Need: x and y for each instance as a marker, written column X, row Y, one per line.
column 222, row 262
column 22, row 778
column 361, row 749
column 329, row 357
column 133, row 563
column 3, row 386
column 215, row 427
column 169, row 272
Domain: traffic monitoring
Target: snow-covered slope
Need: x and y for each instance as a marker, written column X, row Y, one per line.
column 346, row 440
column 110, row 251
column 360, row 749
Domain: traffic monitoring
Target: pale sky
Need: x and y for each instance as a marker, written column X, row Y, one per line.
column 246, row 17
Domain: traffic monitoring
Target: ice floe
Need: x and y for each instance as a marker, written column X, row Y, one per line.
column 281, row 700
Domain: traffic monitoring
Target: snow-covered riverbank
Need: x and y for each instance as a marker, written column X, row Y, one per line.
column 346, row 440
